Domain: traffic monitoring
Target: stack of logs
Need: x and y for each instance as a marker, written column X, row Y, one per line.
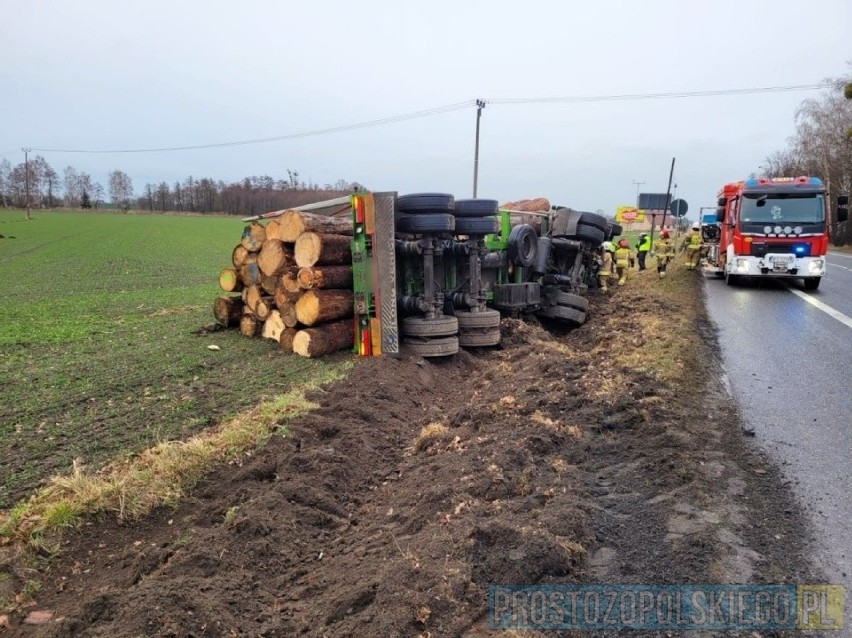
column 294, row 276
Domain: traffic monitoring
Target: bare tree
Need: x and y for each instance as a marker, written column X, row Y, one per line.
column 5, row 170
column 72, row 187
column 120, row 189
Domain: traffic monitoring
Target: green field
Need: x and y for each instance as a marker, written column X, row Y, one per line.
column 97, row 352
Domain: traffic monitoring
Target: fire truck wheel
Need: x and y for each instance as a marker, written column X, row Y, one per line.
column 812, row 283
column 731, row 280
column 476, row 225
column 426, row 223
column 475, row 207
column 589, row 233
column 482, row 319
column 523, row 245
column 479, row 338
column 593, row 219
column 426, row 203
column 570, row 300
column 443, row 326
column 443, row 347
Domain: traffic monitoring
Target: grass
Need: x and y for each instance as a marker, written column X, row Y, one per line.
column 98, row 359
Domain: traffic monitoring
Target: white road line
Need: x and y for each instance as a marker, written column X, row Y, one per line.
column 831, row 312
column 834, row 254
column 839, row 266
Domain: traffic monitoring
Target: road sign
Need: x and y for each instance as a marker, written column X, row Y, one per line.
column 629, row 214
column 679, row 207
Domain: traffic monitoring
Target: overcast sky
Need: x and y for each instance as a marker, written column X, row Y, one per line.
column 113, row 74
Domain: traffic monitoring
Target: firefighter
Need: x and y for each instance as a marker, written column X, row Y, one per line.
column 642, row 248
column 692, row 244
column 605, row 271
column 664, row 251
column 622, row 261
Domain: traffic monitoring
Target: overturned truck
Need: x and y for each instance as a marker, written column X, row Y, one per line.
column 431, row 273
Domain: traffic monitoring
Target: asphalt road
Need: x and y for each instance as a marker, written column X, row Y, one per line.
column 789, row 364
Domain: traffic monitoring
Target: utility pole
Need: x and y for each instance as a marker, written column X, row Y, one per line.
column 668, row 196
column 480, row 104
column 27, row 176
column 637, row 183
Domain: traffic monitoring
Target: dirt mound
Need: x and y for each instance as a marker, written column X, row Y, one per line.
column 389, row 510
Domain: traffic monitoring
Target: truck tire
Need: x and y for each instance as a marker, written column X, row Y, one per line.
column 570, row 300
column 523, row 245
column 482, row 319
column 563, row 313
column 476, row 225
column 436, row 223
column 593, row 219
column 442, row 347
column 591, row 234
column 426, row 203
column 476, row 207
column 812, row 283
column 479, row 338
column 614, row 231
column 443, row 326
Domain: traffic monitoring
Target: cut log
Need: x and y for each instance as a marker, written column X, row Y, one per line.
column 283, row 296
column 273, row 326
column 319, row 306
column 286, row 339
column 289, row 282
column 253, row 295
column 325, row 277
column 324, row 339
column 228, row 310
column 293, row 223
column 238, row 255
column 249, row 326
column 272, row 229
column 249, row 271
column 313, row 249
column 264, row 308
column 229, row 280
column 253, row 237
column 275, row 257
column 269, row 284
column 289, row 315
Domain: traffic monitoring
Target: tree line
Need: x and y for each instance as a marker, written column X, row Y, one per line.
column 77, row 189
column 822, row 147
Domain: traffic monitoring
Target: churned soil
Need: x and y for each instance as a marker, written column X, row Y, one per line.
column 387, row 511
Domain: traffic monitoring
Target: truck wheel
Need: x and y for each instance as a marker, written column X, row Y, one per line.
column 731, row 280
column 443, row 326
column 614, row 231
column 593, row 219
column 435, row 223
column 479, row 338
column 476, row 207
column 426, row 203
column 476, row 225
column 443, row 347
column 590, row 233
column 563, row 313
column 812, row 283
column 570, row 300
column 523, row 245
column 482, row 319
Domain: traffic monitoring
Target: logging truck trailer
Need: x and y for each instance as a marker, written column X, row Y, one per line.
column 773, row 227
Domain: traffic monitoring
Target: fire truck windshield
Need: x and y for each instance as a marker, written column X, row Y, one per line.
column 781, row 207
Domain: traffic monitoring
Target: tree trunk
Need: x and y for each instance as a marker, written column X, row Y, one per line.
column 289, row 315
column 293, row 223
column 252, row 296
column 269, row 284
column 238, row 255
column 325, row 277
column 253, row 237
column 229, row 280
column 319, row 306
column 228, row 310
column 265, row 306
column 313, row 249
column 272, row 230
column 286, row 339
column 249, row 271
column 324, row 339
column 249, row 325
column 275, row 257
column 273, row 326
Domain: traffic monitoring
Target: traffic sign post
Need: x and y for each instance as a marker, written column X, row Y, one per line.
column 679, row 207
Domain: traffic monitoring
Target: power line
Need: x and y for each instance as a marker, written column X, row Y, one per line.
column 278, row 138
column 657, row 96
column 450, row 108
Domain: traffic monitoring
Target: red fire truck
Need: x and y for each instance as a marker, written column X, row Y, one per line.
column 771, row 227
